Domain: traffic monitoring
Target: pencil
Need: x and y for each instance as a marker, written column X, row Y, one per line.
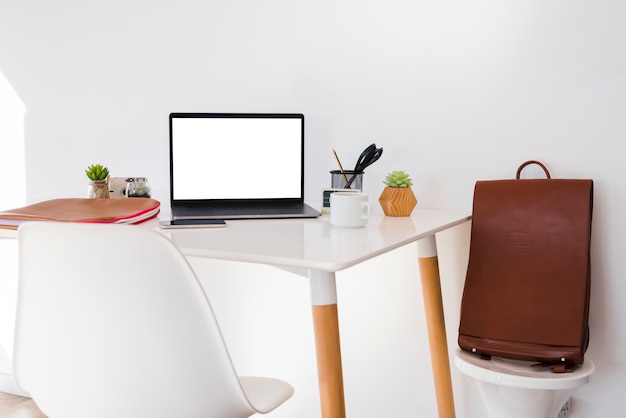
column 340, row 167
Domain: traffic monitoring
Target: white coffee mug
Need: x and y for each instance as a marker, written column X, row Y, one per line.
column 349, row 210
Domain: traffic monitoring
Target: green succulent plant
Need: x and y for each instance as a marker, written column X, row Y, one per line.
column 398, row 178
column 97, row 172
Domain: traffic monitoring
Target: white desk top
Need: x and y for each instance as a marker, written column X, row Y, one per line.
column 311, row 243
column 306, row 243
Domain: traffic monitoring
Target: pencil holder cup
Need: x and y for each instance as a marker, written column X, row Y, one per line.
column 339, row 179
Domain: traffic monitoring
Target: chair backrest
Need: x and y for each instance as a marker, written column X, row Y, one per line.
column 112, row 322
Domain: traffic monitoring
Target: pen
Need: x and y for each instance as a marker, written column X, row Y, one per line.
column 340, row 167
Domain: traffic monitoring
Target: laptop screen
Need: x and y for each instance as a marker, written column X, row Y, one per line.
column 232, row 156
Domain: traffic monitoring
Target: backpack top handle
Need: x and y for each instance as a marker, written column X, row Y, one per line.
column 521, row 167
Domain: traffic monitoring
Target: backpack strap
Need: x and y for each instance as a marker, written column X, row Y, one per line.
column 521, row 167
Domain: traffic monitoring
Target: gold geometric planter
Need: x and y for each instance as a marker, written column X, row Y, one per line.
column 397, row 201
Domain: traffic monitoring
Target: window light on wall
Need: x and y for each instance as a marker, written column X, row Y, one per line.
column 13, row 166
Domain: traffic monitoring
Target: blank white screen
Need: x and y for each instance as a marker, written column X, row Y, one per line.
column 236, row 158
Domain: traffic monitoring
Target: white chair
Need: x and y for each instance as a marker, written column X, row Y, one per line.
column 112, row 322
column 514, row 389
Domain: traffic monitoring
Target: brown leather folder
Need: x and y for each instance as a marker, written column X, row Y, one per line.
column 130, row 211
column 526, row 293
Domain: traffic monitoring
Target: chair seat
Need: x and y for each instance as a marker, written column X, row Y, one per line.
column 265, row 393
column 520, row 374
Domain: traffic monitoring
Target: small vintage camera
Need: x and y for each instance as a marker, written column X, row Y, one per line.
column 120, row 187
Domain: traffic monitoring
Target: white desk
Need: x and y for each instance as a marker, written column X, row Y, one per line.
column 313, row 248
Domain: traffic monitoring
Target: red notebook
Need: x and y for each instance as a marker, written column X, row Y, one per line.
column 121, row 211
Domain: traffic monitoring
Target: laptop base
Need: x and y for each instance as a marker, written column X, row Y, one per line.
column 254, row 211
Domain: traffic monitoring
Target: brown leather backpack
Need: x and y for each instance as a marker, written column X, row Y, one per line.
column 526, row 293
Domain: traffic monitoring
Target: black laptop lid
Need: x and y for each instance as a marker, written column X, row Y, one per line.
column 223, row 157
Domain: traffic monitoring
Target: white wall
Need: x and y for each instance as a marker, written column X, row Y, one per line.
column 454, row 91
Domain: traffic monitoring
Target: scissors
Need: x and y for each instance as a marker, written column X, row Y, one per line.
column 368, row 157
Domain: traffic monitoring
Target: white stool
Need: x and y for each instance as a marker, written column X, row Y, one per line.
column 512, row 389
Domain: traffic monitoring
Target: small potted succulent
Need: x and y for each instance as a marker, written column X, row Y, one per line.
column 98, row 181
column 397, row 199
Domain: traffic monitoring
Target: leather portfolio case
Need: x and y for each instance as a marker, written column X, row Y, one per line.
column 129, row 211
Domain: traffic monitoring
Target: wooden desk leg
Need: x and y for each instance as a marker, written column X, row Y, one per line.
column 326, row 324
column 433, row 305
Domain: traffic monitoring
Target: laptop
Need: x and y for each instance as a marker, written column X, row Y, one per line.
column 237, row 166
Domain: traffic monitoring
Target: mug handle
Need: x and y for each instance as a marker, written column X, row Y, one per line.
column 366, row 206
